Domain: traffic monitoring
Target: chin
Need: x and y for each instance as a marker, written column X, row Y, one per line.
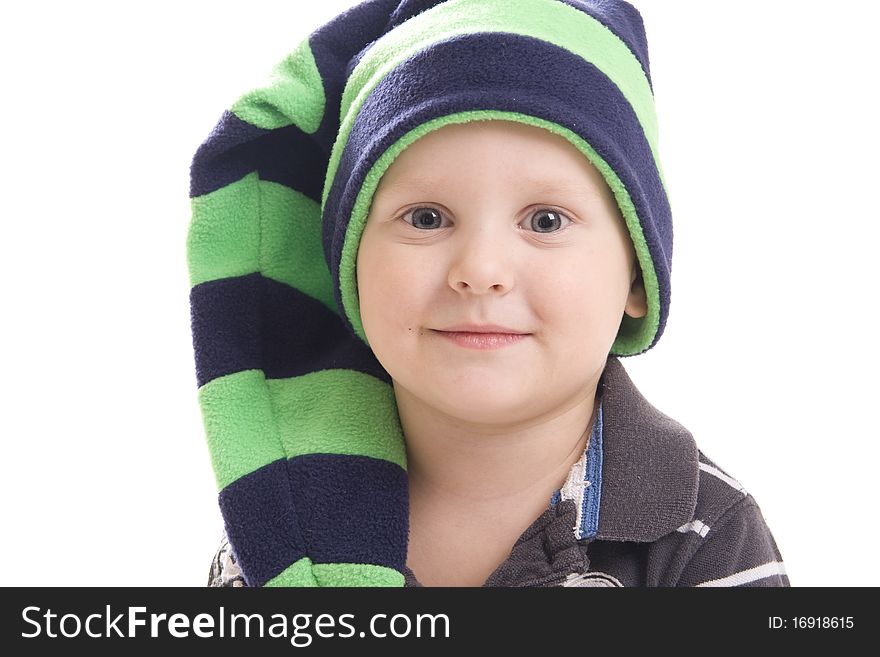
column 480, row 407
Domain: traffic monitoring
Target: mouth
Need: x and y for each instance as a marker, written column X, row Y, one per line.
column 482, row 340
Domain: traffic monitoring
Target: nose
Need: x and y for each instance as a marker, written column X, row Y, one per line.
column 482, row 263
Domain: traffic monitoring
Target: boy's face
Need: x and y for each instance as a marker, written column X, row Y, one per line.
column 500, row 223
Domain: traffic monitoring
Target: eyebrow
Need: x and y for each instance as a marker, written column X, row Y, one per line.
column 565, row 188
column 419, row 184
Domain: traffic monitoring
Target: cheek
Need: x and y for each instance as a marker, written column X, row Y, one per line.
column 579, row 297
column 392, row 285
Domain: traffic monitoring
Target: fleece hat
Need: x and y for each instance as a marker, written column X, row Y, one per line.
column 300, row 418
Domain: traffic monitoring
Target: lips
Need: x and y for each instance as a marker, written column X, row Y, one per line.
column 482, row 328
column 482, row 339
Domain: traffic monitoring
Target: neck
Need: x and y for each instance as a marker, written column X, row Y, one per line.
column 457, row 463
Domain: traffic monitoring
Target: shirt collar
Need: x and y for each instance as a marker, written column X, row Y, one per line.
column 637, row 479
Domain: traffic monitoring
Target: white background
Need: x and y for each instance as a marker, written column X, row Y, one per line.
column 769, row 141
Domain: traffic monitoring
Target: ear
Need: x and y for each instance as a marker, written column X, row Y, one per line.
column 637, row 300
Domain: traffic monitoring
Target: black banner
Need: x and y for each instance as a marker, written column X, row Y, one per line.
column 285, row 621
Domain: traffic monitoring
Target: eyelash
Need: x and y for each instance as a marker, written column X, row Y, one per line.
column 541, row 209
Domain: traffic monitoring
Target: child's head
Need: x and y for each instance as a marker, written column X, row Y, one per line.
column 572, row 74
column 495, row 222
column 527, row 129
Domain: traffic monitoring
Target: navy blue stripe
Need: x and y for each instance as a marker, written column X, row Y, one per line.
column 333, row 508
column 287, row 156
column 590, row 502
column 338, row 46
column 225, row 320
column 263, row 531
column 621, row 18
column 512, row 73
column 253, row 322
column 352, row 509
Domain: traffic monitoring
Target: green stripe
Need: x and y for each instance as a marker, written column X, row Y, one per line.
column 251, row 421
column 298, row 573
column 254, row 225
column 294, row 94
column 356, row 574
column 305, row 573
column 292, row 247
column 224, row 232
column 549, row 20
column 338, row 411
column 635, row 335
column 239, row 425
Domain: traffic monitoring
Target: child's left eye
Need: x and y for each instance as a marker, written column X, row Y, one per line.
column 545, row 220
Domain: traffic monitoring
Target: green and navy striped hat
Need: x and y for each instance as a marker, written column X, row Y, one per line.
column 300, row 418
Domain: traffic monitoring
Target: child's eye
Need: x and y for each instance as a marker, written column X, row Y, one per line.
column 547, row 220
column 424, row 217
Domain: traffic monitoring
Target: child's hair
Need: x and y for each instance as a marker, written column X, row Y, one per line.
column 298, row 412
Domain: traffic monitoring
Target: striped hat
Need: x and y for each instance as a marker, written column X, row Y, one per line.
column 300, row 417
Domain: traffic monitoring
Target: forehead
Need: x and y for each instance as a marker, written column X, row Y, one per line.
column 503, row 152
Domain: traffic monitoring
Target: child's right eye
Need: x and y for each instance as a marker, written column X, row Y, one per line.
column 424, row 218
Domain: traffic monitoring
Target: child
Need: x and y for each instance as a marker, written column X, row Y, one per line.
column 416, row 257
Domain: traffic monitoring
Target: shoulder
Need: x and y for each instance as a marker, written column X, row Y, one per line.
column 727, row 541
column 717, row 490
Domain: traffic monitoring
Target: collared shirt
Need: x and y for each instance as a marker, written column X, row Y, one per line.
column 643, row 506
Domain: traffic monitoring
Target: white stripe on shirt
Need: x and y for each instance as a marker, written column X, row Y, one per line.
column 723, row 477
column 750, row 575
column 695, row 526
